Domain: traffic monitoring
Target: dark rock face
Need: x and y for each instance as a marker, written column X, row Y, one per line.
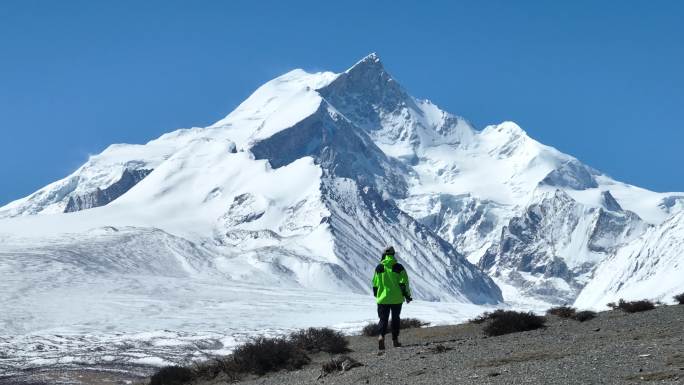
column 465, row 221
column 670, row 202
column 572, row 175
column 535, row 243
column 474, row 212
column 611, row 225
column 341, row 148
column 522, row 240
column 366, row 91
column 363, row 223
column 609, row 201
column 101, row 197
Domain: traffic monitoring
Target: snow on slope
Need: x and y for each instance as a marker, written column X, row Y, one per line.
column 278, row 104
column 272, row 107
column 464, row 220
column 99, row 172
column 371, row 99
column 118, row 296
column 651, row 266
column 194, row 193
column 550, row 250
column 361, row 221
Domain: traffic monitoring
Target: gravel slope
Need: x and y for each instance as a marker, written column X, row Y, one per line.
column 614, row 348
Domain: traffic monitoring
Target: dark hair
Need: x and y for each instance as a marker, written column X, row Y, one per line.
column 388, row 251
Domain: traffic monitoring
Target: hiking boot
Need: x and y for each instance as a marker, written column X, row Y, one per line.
column 381, row 343
column 396, row 343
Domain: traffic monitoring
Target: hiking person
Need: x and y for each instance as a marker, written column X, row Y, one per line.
column 390, row 288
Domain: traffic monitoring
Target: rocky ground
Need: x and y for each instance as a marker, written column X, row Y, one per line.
column 614, row 348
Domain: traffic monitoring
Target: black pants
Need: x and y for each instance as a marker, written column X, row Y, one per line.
column 384, row 313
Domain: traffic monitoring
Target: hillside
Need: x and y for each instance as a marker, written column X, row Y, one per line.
column 615, row 348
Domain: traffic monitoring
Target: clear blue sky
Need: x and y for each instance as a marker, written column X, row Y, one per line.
column 603, row 81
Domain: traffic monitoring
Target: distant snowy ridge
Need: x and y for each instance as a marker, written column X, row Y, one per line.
column 651, row 266
column 552, row 248
column 305, row 182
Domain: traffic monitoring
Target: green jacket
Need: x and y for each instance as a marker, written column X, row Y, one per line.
column 390, row 282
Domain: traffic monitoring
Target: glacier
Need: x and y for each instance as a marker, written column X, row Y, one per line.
column 273, row 218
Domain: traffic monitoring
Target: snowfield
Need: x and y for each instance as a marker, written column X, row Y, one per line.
column 273, row 218
column 126, row 311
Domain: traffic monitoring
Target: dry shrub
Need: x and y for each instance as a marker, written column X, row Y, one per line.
column 217, row 366
column 259, row 356
column 263, row 355
column 562, row 311
column 371, row 329
column 585, row 315
column 486, row 316
column 503, row 322
column 320, row 339
column 172, row 375
column 412, row 323
column 635, row 306
column 679, row 298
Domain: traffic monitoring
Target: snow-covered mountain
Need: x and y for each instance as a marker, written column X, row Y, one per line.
column 649, row 266
column 306, row 181
column 550, row 250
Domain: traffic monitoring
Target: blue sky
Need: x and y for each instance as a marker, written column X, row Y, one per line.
column 602, row 81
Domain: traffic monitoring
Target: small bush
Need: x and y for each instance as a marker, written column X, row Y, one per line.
column 583, row 316
column 212, row 368
column 412, row 323
column 371, row 329
column 320, row 339
column 486, row 316
column 679, row 298
column 260, row 356
column 562, row 311
column 635, row 306
column 172, row 375
column 507, row 321
column 264, row 355
column 340, row 364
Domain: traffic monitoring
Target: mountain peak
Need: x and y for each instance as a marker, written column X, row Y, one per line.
column 372, row 57
column 364, row 92
column 609, row 201
column 371, row 60
column 370, row 67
